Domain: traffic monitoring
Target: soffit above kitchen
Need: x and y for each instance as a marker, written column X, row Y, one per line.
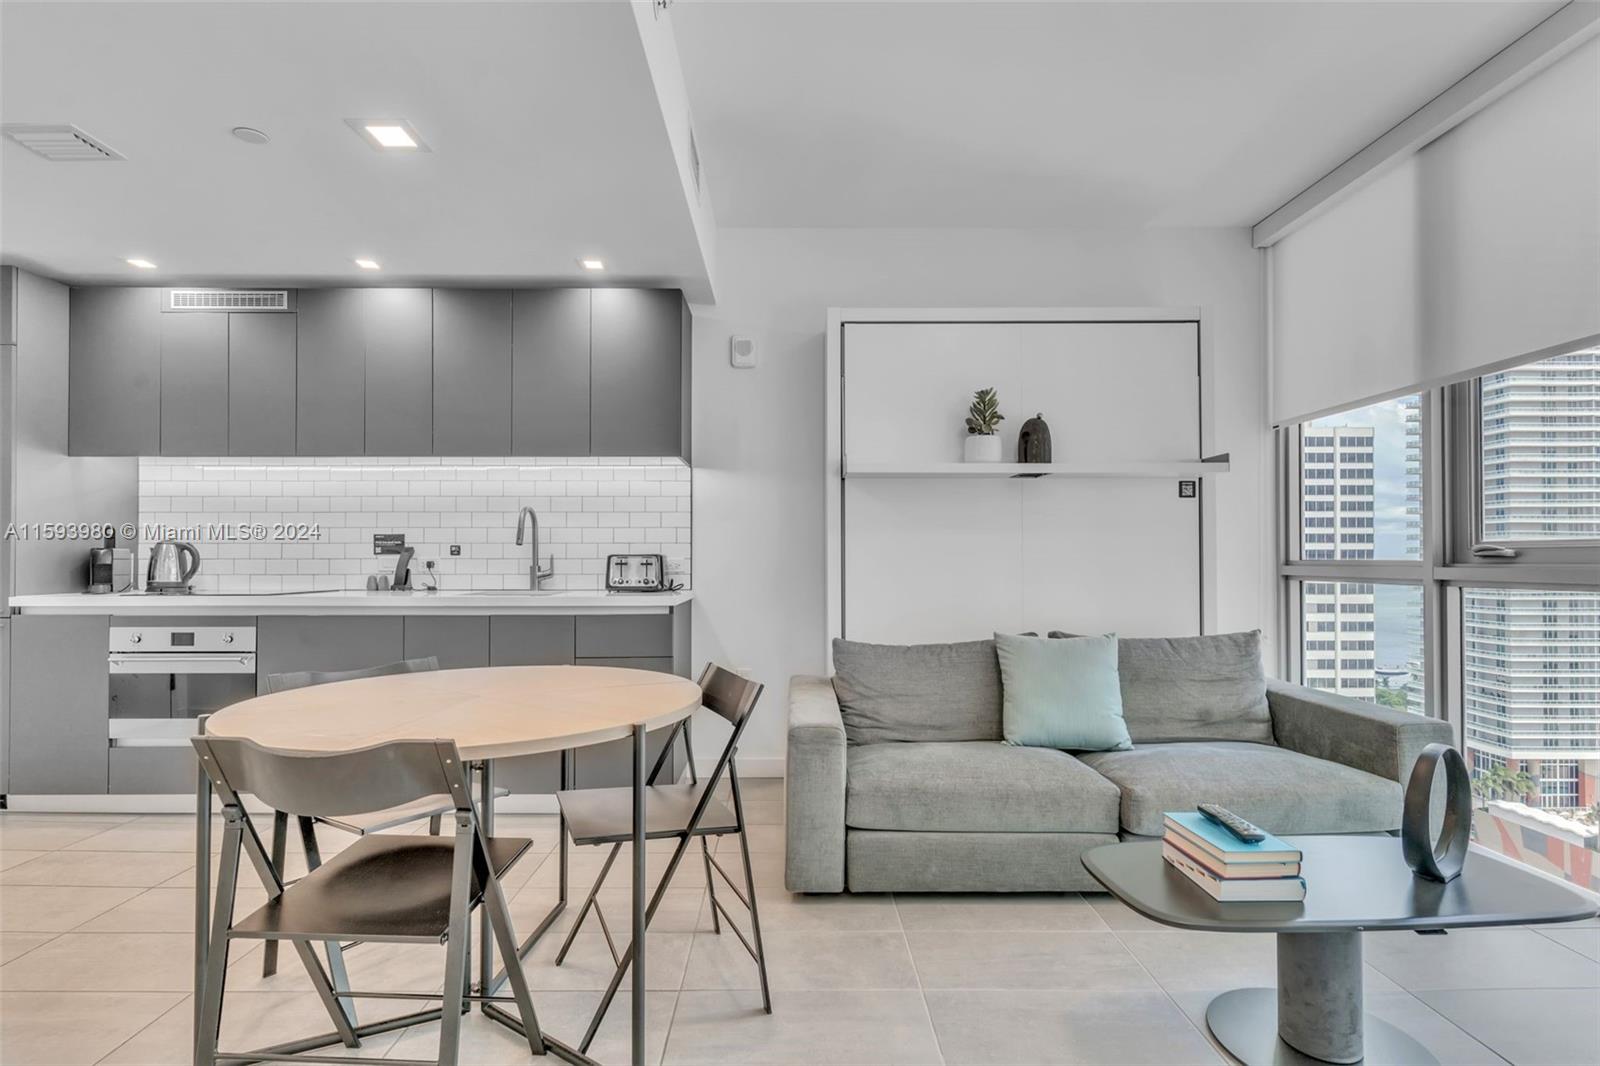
column 1057, row 114
column 546, row 143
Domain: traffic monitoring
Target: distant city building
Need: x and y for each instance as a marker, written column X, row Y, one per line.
column 1337, row 523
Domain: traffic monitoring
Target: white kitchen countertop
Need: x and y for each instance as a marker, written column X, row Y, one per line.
column 352, row 603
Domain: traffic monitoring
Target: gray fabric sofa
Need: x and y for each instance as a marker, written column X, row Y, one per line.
column 871, row 807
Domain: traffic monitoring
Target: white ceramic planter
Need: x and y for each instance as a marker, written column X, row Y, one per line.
column 981, row 448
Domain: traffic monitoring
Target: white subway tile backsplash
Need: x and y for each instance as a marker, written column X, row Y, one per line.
column 588, row 508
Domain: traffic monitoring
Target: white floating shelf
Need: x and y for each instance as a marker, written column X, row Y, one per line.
column 1177, row 468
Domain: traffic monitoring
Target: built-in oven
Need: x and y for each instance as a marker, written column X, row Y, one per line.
column 162, row 679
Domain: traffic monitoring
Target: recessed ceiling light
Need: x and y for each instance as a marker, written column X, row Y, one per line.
column 368, row 264
column 142, row 264
column 250, row 135
column 388, row 134
column 592, row 264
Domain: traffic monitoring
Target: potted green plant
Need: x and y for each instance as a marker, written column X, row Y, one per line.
column 983, row 428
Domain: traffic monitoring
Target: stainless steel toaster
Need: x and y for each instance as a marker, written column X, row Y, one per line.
column 636, row 573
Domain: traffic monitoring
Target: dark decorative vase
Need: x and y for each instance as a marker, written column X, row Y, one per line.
column 1033, row 442
column 1441, row 861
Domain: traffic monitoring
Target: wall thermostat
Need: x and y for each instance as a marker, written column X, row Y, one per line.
column 742, row 352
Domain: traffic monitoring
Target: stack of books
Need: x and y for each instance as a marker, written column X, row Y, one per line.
column 1226, row 867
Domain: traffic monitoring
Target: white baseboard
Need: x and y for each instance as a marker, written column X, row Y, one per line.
column 771, row 766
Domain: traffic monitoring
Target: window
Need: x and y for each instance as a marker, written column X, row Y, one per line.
column 1378, row 647
column 1370, row 452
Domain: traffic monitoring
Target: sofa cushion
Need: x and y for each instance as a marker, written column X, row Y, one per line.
column 1282, row 791
column 917, row 692
column 975, row 787
column 1061, row 693
column 1194, row 688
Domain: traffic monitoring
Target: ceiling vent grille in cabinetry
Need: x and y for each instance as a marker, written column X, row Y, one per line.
column 227, row 300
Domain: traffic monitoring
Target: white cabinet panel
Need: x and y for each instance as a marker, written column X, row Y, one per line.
column 931, row 561
column 1109, row 557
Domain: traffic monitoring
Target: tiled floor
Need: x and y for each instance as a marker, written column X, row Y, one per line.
column 95, row 913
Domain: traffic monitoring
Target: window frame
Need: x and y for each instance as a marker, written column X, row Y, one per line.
column 1451, row 523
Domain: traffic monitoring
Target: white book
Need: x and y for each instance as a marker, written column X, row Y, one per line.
column 1264, row 890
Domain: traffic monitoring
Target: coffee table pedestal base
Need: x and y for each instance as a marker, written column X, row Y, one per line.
column 1245, row 1021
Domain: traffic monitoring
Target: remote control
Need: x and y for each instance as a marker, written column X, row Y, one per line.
column 1240, row 828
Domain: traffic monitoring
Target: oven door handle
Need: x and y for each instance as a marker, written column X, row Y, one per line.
column 146, row 663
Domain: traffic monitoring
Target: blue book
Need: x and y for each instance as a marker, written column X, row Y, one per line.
column 1199, row 830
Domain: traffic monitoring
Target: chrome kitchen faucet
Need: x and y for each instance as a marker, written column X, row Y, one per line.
column 535, row 575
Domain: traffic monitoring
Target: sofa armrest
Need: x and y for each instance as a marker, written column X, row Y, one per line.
column 814, row 788
column 1366, row 736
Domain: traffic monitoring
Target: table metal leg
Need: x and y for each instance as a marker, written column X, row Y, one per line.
column 1315, row 1014
column 202, row 886
column 639, row 875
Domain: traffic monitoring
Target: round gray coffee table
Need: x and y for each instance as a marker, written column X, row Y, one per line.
column 1353, row 883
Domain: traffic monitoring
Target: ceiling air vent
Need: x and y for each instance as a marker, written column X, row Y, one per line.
column 60, row 144
column 228, row 300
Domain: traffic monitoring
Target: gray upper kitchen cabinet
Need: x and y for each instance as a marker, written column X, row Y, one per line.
column 331, row 372
column 194, row 383
column 398, row 325
column 261, row 384
column 636, row 354
column 114, row 372
column 471, row 372
column 550, row 371
column 60, row 705
column 286, row 644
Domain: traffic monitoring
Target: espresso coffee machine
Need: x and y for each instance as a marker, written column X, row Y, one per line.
column 110, row 568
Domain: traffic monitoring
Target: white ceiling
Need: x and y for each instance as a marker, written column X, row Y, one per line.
column 1056, row 114
column 547, row 143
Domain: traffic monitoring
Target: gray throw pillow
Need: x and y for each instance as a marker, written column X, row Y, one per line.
column 1193, row 688
column 917, row 692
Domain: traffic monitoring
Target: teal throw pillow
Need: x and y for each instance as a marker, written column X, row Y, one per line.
column 1061, row 693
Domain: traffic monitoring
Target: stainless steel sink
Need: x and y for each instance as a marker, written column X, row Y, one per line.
column 469, row 593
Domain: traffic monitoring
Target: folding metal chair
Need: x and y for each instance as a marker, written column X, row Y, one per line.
column 432, row 808
column 392, row 888
column 605, row 816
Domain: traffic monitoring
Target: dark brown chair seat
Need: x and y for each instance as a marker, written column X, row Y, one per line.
column 393, row 888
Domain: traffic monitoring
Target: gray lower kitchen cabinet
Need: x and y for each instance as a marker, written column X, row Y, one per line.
column 60, row 706
column 152, row 771
column 457, row 643
column 531, row 640
column 194, row 383
column 398, row 326
column 636, row 354
column 331, row 372
column 261, row 384
column 550, row 371
column 471, row 372
column 285, row 644
column 614, row 636
column 114, row 372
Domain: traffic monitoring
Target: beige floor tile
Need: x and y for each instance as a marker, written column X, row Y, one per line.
column 42, row 909
column 43, row 833
column 164, row 910
column 1129, row 1027
column 249, row 1020
column 810, row 1027
column 140, row 836
column 588, row 965
column 763, row 812
column 1054, row 911
column 563, row 1015
column 105, row 962
column 1038, row 960
column 372, row 968
column 679, row 911
column 1530, row 1027
column 1180, row 959
column 803, row 960
column 8, row 859
column 763, row 838
column 1585, row 940
column 99, row 868
column 1119, row 915
column 1479, row 958
column 44, row 1029
column 15, row 945
column 782, row 910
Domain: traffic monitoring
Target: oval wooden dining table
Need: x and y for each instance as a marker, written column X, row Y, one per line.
column 490, row 713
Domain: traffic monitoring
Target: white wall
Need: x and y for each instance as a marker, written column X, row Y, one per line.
column 758, row 450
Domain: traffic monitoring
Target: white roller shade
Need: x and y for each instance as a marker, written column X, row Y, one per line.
column 1480, row 250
